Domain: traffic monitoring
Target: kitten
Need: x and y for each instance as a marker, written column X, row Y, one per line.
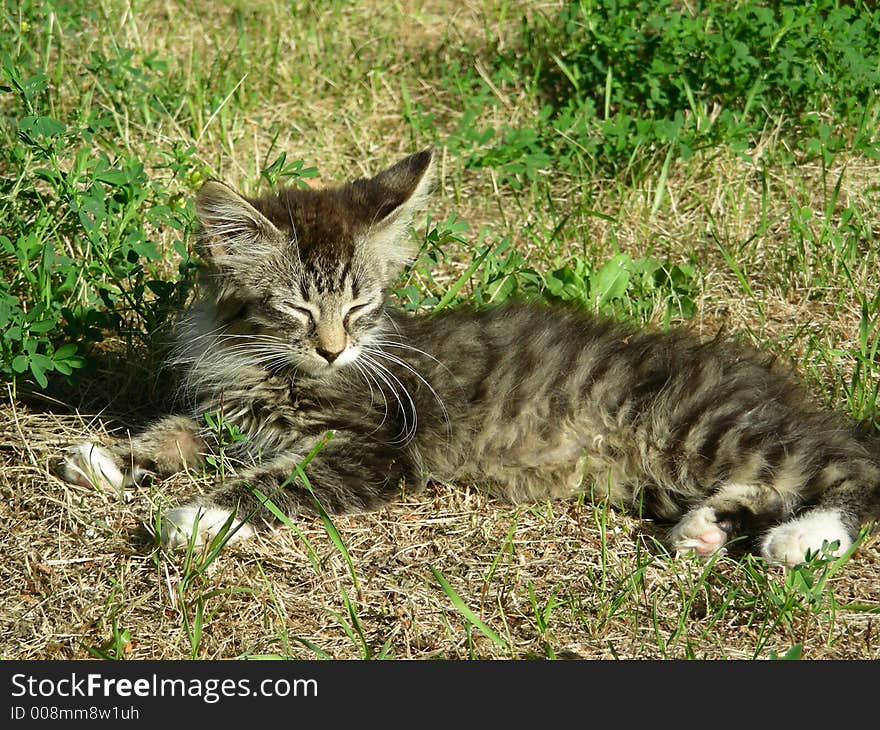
column 293, row 337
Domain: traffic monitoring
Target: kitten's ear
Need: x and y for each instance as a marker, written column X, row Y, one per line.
column 394, row 196
column 231, row 226
column 403, row 188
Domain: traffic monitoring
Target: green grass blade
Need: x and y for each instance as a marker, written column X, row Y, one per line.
column 287, row 522
column 453, row 290
column 332, row 532
column 465, row 611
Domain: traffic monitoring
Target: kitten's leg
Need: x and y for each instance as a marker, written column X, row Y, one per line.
column 707, row 527
column 344, row 476
column 168, row 446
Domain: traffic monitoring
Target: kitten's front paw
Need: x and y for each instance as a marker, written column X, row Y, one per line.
column 180, row 524
column 90, row 465
column 787, row 544
column 697, row 531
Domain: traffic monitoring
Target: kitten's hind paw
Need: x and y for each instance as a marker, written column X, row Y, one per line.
column 698, row 531
column 90, row 465
column 788, row 543
column 201, row 525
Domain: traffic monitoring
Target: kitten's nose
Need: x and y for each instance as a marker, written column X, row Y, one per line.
column 327, row 355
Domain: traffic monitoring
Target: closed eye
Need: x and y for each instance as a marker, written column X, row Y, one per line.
column 306, row 315
column 354, row 312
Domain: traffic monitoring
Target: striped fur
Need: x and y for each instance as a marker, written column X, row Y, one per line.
column 293, row 337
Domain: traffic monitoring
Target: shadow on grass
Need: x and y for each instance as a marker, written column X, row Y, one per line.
column 123, row 385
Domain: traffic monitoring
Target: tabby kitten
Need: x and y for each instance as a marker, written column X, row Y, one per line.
column 293, row 337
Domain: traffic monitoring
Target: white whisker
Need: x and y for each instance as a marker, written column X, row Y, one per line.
column 386, row 376
column 406, row 366
column 370, row 380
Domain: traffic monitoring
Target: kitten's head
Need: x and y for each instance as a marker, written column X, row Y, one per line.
column 299, row 277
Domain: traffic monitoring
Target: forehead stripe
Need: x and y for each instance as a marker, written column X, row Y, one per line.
column 343, row 273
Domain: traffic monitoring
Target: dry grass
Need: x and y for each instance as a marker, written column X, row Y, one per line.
column 79, row 570
column 80, row 567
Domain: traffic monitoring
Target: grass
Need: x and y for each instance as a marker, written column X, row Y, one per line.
column 730, row 182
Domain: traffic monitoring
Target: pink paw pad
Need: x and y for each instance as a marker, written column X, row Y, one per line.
column 698, row 532
column 713, row 537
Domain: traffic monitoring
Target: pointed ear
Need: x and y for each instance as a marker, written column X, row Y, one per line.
column 403, row 188
column 393, row 198
column 231, row 226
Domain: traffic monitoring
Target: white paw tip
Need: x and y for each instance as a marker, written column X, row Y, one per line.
column 90, row 465
column 179, row 526
column 788, row 543
column 697, row 532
